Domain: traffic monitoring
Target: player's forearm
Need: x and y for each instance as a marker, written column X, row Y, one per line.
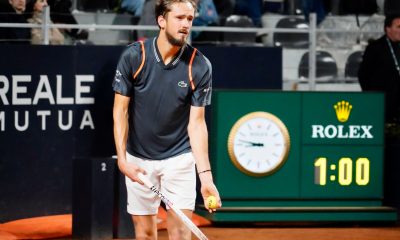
column 120, row 133
column 120, row 136
column 199, row 142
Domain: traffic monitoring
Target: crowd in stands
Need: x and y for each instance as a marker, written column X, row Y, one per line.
column 36, row 9
column 30, row 11
column 210, row 13
column 14, row 12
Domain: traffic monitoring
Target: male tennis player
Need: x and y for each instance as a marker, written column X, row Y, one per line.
column 161, row 89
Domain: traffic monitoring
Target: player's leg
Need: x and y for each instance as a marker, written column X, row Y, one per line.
column 176, row 229
column 179, row 183
column 142, row 203
column 145, row 227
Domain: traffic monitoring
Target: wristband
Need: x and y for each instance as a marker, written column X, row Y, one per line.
column 208, row 170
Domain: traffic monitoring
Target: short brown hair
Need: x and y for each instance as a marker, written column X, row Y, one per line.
column 389, row 20
column 164, row 6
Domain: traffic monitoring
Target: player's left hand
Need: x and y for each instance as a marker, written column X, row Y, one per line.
column 208, row 188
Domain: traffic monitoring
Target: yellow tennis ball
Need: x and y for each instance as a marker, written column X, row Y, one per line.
column 212, row 202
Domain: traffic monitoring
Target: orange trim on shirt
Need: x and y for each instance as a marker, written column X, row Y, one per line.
column 190, row 69
column 143, row 59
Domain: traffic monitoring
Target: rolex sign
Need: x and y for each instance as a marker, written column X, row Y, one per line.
column 342, row 119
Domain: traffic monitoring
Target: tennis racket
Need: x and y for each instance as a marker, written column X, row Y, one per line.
column 196, row 231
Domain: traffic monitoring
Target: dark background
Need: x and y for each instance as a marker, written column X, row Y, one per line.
column 36, row 165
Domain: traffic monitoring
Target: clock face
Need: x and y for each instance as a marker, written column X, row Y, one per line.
column 258, row 144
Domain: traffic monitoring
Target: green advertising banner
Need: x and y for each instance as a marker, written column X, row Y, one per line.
column 297, row 145
column 293, row 156
column 342, row 118
column 230, row 106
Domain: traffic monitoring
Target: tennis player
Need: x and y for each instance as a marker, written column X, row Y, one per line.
column 161, row 89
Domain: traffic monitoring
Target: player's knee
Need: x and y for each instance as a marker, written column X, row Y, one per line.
column 179, row 233
column 145, row 235
column 145, row 229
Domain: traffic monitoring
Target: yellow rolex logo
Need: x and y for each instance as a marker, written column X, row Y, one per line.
column 343, row 110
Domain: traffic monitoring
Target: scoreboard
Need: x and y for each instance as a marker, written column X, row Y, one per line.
column 298, row 156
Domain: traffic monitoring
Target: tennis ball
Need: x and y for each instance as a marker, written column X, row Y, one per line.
column 212, row 202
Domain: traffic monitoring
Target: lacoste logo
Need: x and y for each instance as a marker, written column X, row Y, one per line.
column 182, row 84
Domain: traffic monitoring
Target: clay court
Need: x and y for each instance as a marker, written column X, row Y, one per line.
column 301, row 138
column 60, row 227
column 294, row 232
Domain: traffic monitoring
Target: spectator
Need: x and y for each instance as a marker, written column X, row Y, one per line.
column 206, row 16
column 379, row 69
column 148, row 18
column 14, row 12
column 314, row 6
column 207, row 13
column 55, row 36
column 60, row 12
column 225, row 8
column 251, row 8
column 134, row 7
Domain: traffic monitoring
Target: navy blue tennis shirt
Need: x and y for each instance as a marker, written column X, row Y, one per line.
column 161, row 97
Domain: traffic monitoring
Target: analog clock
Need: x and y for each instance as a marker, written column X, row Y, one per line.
column 258, row 144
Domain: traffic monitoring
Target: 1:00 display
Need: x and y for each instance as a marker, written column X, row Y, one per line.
column 342, row 172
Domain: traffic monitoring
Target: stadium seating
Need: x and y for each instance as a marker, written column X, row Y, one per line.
column 235, row 37
column 326, row 66
column 291, row 40
column 352, row 64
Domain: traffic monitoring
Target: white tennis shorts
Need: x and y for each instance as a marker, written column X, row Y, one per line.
column 175, row 177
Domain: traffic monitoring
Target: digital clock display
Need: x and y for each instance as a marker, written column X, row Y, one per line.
column 342, row 171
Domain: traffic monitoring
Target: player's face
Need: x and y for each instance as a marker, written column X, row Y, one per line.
column 177, row 23
column 393, row 32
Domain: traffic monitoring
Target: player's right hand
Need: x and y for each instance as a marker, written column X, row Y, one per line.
column 132, row 170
